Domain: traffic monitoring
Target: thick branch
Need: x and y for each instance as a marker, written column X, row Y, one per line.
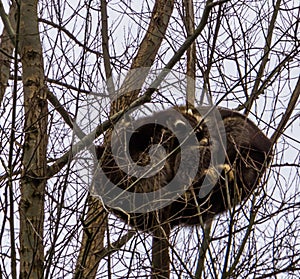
column 92, row 240
column 115, row 246
column 203, row 249
column 7, row 23
column 93, row 235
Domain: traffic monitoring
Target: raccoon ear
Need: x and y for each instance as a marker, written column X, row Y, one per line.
column 190, row 112
column 180, row 126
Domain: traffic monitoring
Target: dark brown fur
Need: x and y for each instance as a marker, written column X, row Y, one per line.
column 247, row 156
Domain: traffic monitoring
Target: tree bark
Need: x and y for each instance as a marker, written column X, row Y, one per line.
column 92, row 240
column 7, row 47
column 190, row 53
column 33, row 179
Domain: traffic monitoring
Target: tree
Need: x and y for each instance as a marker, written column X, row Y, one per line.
column 60, row 61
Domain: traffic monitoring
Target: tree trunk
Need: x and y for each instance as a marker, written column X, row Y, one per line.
column 92, row 240
column 33, row 179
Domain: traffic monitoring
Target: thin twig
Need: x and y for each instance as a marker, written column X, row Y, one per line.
column 70, row 35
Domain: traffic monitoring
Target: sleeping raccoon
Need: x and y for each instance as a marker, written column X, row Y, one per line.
column 213, row 160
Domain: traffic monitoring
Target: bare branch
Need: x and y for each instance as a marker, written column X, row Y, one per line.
column 105, row 47
column 92, row 240
column 115, row 246
column 191, row 53
column 7, row 47
column 286, row 116
column 70, row 35
column 7, row 23
column 203, row 249
column 265, row 58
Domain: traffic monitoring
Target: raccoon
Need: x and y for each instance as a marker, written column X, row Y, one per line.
column 182, row 146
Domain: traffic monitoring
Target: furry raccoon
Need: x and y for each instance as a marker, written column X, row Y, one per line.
column 213, row 187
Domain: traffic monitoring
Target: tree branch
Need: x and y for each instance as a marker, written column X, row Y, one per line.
column 7, row 24
column 191, row 53
column 115, row 246
column 70, row 35
column 105, row 47
column 204, row 247
column 286, row 116
column 7, row 46
column 265, row 59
